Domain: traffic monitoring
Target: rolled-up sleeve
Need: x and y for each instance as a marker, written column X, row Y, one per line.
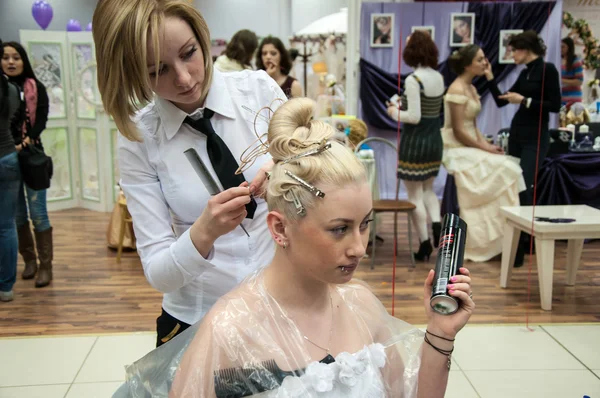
column 169, row 262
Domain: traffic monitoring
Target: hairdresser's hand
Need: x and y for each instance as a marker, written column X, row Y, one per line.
column 258, row 185
column 27, row 141
column 513, row 98
column 19, row 147
column 488, row 71
column 449, row 325
column 223, row 213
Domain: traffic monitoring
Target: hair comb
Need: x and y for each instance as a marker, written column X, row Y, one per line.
column 243, row 382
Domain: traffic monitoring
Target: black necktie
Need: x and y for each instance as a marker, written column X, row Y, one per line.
column 220, row 156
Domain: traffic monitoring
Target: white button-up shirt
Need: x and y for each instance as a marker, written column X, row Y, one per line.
column 165, row 196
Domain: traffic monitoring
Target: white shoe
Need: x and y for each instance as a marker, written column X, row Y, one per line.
column 6, row 296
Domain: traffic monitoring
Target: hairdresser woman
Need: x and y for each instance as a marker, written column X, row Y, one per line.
column 532, row 118
column 191, row 245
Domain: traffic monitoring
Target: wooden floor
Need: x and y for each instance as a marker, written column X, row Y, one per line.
column 91, row 293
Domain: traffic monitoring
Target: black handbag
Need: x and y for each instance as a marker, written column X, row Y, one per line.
column 36, row 167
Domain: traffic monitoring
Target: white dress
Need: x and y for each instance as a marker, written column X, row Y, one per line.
column 484, row 183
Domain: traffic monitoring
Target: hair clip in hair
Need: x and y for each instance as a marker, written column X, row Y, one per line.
column 323, row 146
column 317, row 192
column 300, row 210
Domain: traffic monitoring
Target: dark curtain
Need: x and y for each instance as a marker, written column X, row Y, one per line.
column 567, row 179
column 572, row 178
column 491, row 18
column 378, row 85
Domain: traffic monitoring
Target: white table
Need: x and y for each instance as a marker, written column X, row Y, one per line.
column 517, row 219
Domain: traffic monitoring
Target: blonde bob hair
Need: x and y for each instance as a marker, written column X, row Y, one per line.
column 292, row 133
column 121, row 31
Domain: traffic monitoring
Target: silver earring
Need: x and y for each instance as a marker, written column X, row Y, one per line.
column 284, row 245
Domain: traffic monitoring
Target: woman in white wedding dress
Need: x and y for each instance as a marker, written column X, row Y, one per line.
column 486, row 178
column 301, row 327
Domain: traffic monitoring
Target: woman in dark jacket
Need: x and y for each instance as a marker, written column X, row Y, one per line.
column 10, row 178
column 537, row 92
column 16, row 65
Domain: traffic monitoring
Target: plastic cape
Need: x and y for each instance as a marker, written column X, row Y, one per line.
column 248, row 345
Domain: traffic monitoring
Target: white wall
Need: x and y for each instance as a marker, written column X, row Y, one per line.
column 16, row 15
column 306, row 11
column 264, row 17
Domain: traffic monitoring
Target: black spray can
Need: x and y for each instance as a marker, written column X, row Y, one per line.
column 450, row 259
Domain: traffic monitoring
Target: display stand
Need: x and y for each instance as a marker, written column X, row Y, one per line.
column 80, row 137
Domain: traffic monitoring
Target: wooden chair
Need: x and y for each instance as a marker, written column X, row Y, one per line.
column 386, row 206
column 125, row 220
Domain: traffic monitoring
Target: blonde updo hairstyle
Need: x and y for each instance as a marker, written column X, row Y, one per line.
column 293, row 131
column 122, row 29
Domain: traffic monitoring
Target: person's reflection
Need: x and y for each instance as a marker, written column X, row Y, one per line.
column 383, row 28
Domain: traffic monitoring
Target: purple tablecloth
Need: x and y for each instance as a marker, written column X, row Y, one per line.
column 572, row 178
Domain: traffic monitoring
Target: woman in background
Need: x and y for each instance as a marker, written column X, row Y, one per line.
column 571, row 73
column 485, row 178
column 239, row 52
column 273, row 58
column 532, row 118
column 16, row 65
column 421, row 146
column 10, row 180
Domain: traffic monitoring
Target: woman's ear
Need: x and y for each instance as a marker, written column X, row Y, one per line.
column 277, row 227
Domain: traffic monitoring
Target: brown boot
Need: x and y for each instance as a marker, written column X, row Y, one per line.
column 27, row 250
column 43, row 241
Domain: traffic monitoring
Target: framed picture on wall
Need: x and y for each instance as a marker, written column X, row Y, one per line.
column 47, row 63
column 505, row 51
column 462, row 29
column 428, row 29
column 382, row 30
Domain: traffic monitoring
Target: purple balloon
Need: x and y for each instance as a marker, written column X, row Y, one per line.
column 89, row 27
column 73, row 26
column 42, row 13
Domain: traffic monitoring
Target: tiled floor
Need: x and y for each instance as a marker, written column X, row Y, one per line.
column 489, row 362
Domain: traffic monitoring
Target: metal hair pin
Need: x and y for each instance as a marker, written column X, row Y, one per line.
column 256, row 114
column 315, row 151
column 301, row 211
column 314, row 190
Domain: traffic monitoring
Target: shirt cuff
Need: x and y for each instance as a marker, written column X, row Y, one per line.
column 528, row 103
column 187, row 256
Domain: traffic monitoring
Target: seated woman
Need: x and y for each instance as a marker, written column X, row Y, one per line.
column 486, row 179
column 301, row 326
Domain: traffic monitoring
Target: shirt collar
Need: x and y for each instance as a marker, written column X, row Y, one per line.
column 218, row 99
